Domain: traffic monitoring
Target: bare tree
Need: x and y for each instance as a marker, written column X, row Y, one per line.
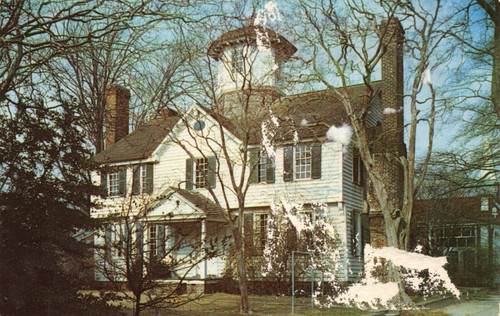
column 348, row 42
column 473, row 100
column 137, row 254
column 231, row 139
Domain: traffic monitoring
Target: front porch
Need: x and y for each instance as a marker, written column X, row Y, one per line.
column 181, row 239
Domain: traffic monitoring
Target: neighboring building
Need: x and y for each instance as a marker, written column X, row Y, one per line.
column 467, row 231
column 159, row 176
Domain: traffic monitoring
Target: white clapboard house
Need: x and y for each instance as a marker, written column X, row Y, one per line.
column 157, row 179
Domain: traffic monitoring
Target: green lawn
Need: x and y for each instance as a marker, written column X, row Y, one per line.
column 221, row 304
column 227, row 304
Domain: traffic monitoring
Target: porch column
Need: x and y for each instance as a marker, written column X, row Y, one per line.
column 203, row 268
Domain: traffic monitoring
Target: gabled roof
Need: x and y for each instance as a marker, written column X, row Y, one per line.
column 211, row 210
column 139, row 144
column 309, row 114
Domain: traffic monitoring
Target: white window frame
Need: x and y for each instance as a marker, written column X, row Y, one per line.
column 356, row 234
column 262, row 167
column 114, row 183
column 237, row 60
column 200, row 173
column 153, row 239
column 302, row 162
column 262, row 229
column 142, row 178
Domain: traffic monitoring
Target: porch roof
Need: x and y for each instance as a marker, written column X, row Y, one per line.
column 175, row 200
column 211, row 210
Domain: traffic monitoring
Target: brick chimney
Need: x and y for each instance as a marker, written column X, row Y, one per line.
column 390, row 144
column 117, row 114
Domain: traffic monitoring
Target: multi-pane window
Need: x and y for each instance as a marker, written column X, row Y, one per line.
column 262, row 229
column 114, row 184
column 143, row 177
column 456, row 236
column 262, row 167
column 153, row 240
column 237, row 60
column 200, row 180
column 306, row 217
column 355, row 234
column 303, row 160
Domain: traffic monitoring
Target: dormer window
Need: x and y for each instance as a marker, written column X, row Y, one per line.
column 237, row 60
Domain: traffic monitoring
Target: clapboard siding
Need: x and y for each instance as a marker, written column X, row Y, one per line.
column 170, row 171
column 334, row 186
column 353, row 201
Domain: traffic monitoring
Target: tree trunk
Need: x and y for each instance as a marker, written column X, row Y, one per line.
column 240, row 264
column 394, row 233
column 137, row 310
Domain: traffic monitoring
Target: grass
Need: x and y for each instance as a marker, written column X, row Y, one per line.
column 221, row 304
column 226, row 304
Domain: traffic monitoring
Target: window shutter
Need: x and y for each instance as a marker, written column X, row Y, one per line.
column 136, row 180
column 128, row 239
column 248, row 229
column 149, row 179
column 316, row 161
column 139, row 233
column 107, row 242
column 212, row 165
column 161, row 242
column 254, row 165
column 104, row 184
column 362, row 172
column 270, row 170
column 189, row 174
column 288, row 163
column 123, row 181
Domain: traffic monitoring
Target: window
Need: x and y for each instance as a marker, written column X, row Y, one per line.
column 262, row 167
column 143, row 179
column 237, row 60
column 303, row 161
column 200, row 180
column 306, row 217
column 355, row 234
column 456, row 236
column 153, row 240
column 201, row 172
column 262, row 231
column 358, row 176
column 114, row 184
